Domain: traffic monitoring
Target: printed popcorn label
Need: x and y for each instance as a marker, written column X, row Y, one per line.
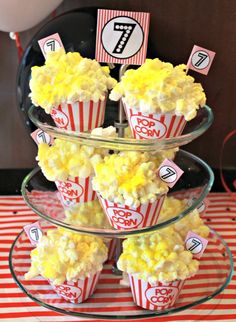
column 34, row 232
column 155, row 297
column 124, row 218
column 147, row 127
column 157, row 125
column 162, row 296
column 79, row 291
column 195, row 244
column 69, row 189
column 60, row 118
column 68, row 292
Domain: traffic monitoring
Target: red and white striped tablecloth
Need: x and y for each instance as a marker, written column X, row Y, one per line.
column 16, row 306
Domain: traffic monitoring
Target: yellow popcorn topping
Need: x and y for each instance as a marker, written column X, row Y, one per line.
column 159, row 256
column 159, row 87
column 67, row 78
column 172, row 207
column 128, row 178
column 67, row 159
column 62, row 255
column 88, row 214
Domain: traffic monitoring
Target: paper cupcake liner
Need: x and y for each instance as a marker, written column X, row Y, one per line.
column 122, row 217
column 79, row 116
column 151, row 126
column 76, row 190
column 77, row 292
column 154, row 297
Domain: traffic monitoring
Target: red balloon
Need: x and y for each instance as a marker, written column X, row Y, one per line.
column 19, row 15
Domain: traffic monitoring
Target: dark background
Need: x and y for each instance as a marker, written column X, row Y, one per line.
column 176, row 25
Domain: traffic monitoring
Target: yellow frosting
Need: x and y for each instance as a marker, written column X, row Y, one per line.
column 128, row 178
column 62, row 255
column 89, row 214
column 158, row 87
column 66, row 159
column 172, row 207
column 67, row 78
column 159, row 256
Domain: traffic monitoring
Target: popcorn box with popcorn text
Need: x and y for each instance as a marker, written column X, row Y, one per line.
column 79, row 291
column 123, row 217
column 76, row 190
column 159, row 297
column 154, row 126
column 79, row 116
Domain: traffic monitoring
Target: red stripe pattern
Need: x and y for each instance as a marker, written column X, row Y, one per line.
column 149, row 126
column 110, row 297
column 79, row 116
column 122, row 217
column 76, row 190
column 79, row 291
column 106, row 15
column 159, row 297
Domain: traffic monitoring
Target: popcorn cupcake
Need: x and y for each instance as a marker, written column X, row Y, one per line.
column 129, row 189
column 157, row 265
column 71, row 262
column 72, row 89
column 70, row 166
column 158, row 99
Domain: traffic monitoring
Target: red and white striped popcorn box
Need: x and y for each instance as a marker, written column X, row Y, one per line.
column 76, row 190
column 77, row 292
column 157, row 297
column 79, row 116
column 123, row 217
column 154, row 126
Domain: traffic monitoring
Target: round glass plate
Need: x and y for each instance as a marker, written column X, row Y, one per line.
column 192, row 130
column 193, row 186
column 112, row 300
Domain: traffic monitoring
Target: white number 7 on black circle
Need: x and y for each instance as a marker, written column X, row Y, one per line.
column 127, row 30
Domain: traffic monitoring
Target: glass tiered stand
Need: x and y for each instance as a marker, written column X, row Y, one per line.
column 112, row 300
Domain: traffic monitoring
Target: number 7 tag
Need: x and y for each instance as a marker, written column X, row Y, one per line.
column 169, row 172
column 195, row 244
column 34, row 232
column 200, row 59
column 50, row 43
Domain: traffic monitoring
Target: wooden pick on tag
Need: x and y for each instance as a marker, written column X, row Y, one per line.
column 169, row 172
column 195, row 244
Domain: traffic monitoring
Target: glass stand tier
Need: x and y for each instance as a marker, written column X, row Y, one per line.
column 112, row 300
column 192, row 130
column 193, row 186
